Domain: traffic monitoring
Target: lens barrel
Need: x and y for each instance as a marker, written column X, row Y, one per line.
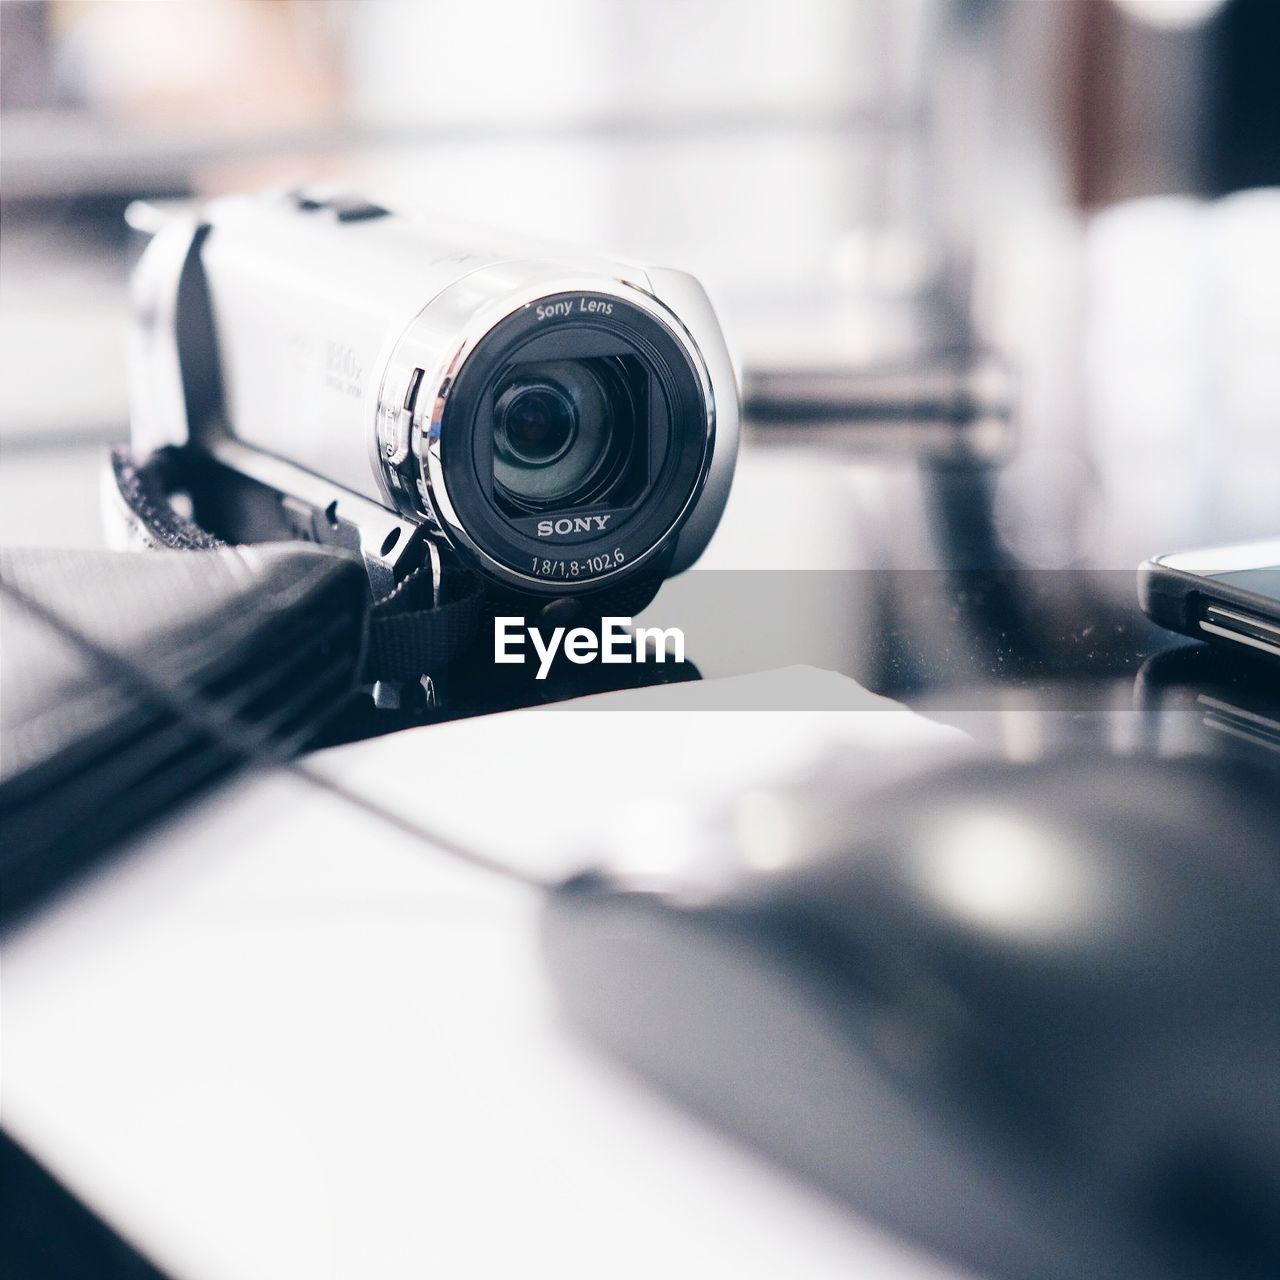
column 570, row 439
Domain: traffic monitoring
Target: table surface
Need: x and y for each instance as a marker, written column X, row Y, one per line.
column 277, row 1039
column 268, row 1040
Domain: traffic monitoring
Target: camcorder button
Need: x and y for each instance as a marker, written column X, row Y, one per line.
column 346, row 207
column 357, row 209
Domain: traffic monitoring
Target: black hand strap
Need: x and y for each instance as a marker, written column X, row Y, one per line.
column 418, row 629
column 414, row 630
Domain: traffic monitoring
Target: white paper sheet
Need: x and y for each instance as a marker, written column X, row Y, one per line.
column 278, row 1039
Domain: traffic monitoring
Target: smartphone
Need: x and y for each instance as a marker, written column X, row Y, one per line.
column 1227, row 595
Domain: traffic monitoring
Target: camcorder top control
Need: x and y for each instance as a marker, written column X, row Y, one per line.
column 561, row 423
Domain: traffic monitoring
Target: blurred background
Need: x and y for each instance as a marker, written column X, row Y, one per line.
column 1003, row 279
column 1026, row 252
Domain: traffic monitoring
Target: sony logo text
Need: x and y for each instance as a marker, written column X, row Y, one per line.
column 575, row 524
column 617, row 641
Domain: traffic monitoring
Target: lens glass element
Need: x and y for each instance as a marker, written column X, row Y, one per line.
column 536, row 423
column 564, row 432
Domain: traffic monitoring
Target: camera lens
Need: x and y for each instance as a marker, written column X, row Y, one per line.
column 562, row 432
column 571, row 443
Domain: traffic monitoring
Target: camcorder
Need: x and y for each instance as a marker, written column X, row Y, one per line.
column 436, row 398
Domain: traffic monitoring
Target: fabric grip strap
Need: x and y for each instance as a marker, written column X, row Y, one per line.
column 410, row 632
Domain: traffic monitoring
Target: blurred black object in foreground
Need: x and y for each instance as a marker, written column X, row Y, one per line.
column 47, row 1234
column 267, row 635
column 1027, row 1015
